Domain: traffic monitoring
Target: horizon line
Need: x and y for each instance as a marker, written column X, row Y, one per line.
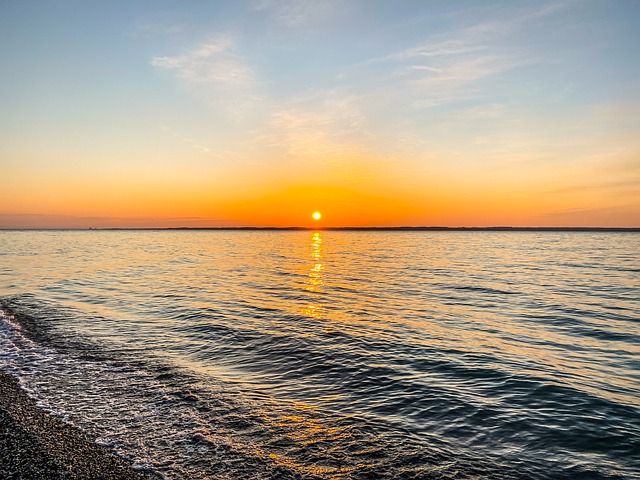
column 498, row 228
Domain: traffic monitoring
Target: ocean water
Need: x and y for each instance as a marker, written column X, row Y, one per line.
column 334, row 354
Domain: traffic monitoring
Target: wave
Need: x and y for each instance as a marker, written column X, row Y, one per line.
column 182, row 424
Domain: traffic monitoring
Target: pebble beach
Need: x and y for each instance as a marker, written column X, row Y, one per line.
column 36, row 445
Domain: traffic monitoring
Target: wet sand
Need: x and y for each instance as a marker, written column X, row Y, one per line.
column 36, row 445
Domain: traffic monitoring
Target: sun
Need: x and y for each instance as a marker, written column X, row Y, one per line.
column 316, row 215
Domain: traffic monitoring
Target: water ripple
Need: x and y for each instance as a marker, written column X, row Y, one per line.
column 334, row 354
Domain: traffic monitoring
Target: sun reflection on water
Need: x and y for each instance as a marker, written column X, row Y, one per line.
column 315, row 277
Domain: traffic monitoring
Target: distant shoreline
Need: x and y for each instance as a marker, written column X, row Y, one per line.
column 350, row 229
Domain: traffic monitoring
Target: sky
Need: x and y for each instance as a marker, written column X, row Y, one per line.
column 375, row 113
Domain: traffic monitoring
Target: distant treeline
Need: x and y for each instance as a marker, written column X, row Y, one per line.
column 374, row 229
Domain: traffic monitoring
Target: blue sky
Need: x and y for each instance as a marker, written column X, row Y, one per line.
column 462, row 112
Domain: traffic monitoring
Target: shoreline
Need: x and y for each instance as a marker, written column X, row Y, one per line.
column 338, row 229
column 37, row 445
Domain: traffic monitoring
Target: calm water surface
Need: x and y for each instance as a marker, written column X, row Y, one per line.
column 334, row 355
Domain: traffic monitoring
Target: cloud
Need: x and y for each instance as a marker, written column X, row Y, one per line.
column 320, row 126
column 448, row 67
column 306, row 135
column 47, row 221
column 162, row 25
column 444, row 48
column 624, row 215
column 323, row 137
column 332, row 125
column 212, row 63
column 294, row 13
column 465, row 70
column 622, row 187
column 216, row 71
column 196, row 146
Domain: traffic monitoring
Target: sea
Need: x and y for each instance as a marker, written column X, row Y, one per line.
column 237, row 355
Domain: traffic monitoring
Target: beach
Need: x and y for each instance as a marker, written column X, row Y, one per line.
column 37, row 445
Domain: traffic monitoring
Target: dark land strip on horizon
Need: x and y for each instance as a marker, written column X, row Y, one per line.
column 351, row 229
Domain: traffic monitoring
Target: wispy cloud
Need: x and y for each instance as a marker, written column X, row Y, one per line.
column 216, row 71
column 212, row 63
column 28, row 221
column 191, row 141
column 448, row 67
column 620, row 215
column 623, row 187
column 317, row 126
column 445, row 48
column 165, row 24
column 294, row 13
column 323, row 136
column 222, row 155
column 455, row 80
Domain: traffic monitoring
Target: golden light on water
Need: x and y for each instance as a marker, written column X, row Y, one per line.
column 315, row 280
column 316, row 215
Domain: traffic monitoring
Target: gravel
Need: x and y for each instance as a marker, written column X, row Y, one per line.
column 36, row 445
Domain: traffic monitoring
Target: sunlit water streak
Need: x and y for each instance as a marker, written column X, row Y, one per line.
column 274, row 354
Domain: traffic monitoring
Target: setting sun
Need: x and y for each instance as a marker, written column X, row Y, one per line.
column 316, row 215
